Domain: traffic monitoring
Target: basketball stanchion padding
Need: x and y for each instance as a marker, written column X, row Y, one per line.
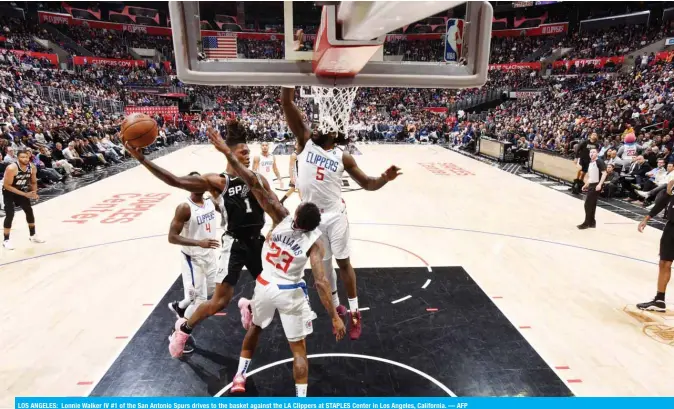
column 340, row 58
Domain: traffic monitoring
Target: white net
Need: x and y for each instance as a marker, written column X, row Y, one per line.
column 334, row 106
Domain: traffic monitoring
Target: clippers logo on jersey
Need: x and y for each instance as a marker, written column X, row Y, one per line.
column 205, row 218
column 322, row 162
column 454, row 39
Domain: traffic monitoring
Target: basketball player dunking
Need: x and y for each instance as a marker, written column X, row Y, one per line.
column 19, row 187
column 292, row 171
column 242, row 241
column 194, row 228
column 293, row 242
column 320, row 166
column 265, row 165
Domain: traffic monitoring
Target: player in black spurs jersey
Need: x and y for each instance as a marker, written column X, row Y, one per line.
column 19, row 187
column 242, row 242
column 666, row 249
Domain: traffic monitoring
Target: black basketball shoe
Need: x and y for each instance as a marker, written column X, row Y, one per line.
column 655, row 305
column 175, row 307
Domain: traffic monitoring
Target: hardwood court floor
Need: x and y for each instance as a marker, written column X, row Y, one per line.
column 72, row 304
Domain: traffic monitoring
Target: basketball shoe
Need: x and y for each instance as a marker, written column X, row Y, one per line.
column 354, row 325
column 341, row 311
column 246, row 313
column 8, row 245
column 35, row 239
column 175, row 307
column 655, row 305
column 238, row 384
column 178, row 340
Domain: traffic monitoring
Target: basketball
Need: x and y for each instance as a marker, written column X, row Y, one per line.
column 139, row 130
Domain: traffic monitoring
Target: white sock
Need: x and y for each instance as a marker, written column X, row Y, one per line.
column 301, row 390
column 244, row 363
column 184, row 303
column 335, row 299
column 353, row 304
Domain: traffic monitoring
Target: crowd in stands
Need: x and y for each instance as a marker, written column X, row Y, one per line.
column 72, row 138
column 505, row 50
column 611, row 41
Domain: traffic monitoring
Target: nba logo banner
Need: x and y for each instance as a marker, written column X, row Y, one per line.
column 454, row 39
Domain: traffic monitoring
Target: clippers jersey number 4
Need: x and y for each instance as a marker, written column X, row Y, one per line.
column 279, row 259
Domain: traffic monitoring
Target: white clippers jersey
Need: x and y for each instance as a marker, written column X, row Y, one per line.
column 266, row 168
column 284, row 255
column 319, row 177
column 202, row 225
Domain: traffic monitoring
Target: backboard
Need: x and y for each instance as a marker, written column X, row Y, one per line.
column 375, row 33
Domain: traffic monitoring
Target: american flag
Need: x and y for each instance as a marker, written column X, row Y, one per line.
column 220, row 47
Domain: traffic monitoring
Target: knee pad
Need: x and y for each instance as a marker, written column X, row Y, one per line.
column 9, row 216
column 30, row 217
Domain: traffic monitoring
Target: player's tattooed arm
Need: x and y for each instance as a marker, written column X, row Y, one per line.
column 316, row 254
column 293, row 116
column 196, row 184
column 257, row 184
column 365, row 181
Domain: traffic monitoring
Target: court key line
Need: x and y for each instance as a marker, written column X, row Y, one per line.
column 341, row 355
column 367, row 224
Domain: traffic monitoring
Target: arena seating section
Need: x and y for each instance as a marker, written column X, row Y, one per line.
column 78, row 102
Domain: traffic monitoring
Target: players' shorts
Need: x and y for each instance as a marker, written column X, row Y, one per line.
column 199, row 275
column 292, row 303
column 237, row 253
column 336, row 237
column 667, row 243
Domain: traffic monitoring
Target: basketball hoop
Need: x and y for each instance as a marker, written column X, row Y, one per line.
column 334, row 107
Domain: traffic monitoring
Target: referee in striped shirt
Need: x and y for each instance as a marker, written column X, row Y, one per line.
column 596, row 175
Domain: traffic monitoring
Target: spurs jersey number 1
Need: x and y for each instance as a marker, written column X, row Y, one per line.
column 202, row 225
column 284, row 255
column 319, row 176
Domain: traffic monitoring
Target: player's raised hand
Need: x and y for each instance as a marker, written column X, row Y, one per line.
column 135, row 152
column 299, row 37
column 217, row 141
column 391, row 173
column 209, row 244
column 338, row 328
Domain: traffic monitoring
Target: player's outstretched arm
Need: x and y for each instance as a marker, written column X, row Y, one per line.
column 197, row 184
column 365, row 181
column 257, row 184
column 316, row 253
column 294, row 116
column 182, row 216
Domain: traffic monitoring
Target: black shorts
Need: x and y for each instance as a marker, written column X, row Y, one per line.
column 584, row 165
column 667, row 243
column 12, row 199
column 237, row 253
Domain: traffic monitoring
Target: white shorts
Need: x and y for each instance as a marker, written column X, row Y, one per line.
column 292, row 304
column 336, row 237
column 199, row 275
